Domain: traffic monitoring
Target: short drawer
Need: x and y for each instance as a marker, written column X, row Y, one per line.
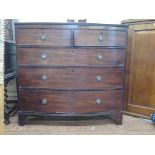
column 71, row 78
column 51, row 37
column 71, row 57
column 69, row 101
column 99, row 38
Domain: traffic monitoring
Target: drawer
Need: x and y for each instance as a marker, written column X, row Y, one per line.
column 51, row 37
column 71, row 78
column 71, row 57
column 70, row 101
column 99, row 38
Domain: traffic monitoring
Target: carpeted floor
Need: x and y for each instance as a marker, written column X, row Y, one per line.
column 131, row 125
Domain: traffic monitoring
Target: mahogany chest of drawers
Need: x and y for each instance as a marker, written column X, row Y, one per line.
column 70, row 70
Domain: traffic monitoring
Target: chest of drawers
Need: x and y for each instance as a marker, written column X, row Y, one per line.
column 70, row 71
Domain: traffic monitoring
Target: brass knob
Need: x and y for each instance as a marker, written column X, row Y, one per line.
column 44, row 101
column 98, row 77
column 43, row 56
column 44, row 77
column 100, row 37
column 100, row 57
column 98, row 101
column 43, row 37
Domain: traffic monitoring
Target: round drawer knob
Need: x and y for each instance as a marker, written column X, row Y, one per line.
column 98, row 77
column 100, row 57
column 44, row 101
column 44, row 77
column 43, row 56
column 98, row 101
column 100, row 37
column 43, row 37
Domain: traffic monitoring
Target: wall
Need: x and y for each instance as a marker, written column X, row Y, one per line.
column 98, row 11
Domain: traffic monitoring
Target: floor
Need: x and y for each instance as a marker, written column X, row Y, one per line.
column 131, row 125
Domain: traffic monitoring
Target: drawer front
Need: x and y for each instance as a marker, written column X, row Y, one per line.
column 71, row 57
column 69, row 101
column 53, row 37
column 71, row 78
column 99, row 38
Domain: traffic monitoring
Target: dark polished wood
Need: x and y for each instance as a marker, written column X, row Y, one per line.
column 70, row 70
column 71, row 57
column 99, row 38
column 114, row 115
column 10, row 105
column 10, row 57
column 54, row 25
column 64, row 78
column 53, row 37
column 70, row 101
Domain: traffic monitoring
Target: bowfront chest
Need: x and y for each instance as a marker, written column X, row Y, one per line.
column 70, row 71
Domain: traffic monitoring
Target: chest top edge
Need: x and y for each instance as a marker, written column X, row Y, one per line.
column 43, row 25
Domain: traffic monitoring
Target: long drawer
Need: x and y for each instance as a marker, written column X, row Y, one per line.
column 71, row 78
column 94, row 37
column 71, row 57
column 70, row 101
column 52, row 37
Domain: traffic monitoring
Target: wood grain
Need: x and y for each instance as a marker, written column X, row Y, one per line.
column 82, row 65
column 70, row 101
column 140, row 70
column 90, row 38
column 71, row 57
column 71, row 78
column 54, row 37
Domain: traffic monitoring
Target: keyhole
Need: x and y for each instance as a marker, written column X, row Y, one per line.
column 72, row 70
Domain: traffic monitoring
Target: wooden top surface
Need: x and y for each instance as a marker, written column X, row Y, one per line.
column 137, row 21
column 70, row 23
